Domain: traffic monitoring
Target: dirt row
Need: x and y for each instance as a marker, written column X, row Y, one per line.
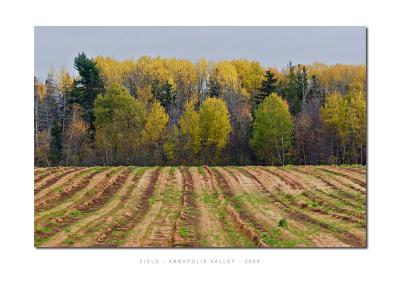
column 205, row 206
column 297, row 212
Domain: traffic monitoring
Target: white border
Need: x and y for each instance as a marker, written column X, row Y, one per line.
column 22, row 264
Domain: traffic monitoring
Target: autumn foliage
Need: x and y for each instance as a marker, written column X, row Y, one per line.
column 168, row 111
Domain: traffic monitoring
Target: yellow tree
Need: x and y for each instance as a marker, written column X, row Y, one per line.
column 334, row 115
column 357, row 120
column 155, row 129
column 113, row 71
column 65, row 86
column 190, row 128
column 214, row 125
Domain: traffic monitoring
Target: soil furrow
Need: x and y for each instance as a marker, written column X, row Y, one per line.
column 55, row 198
column 273, row 233
column 333, row 182
column 61, row 219
column 324, row 205
column 243, row 219
column 186, row 233
column 54, row 178
column 116, row 234
column 89, row 233
column 294, row 214
column 60, row 186
column 349, row 199
column 161, row 231
column 44, row 173
column 224, row 228
column 344, row 174
column 69, row 236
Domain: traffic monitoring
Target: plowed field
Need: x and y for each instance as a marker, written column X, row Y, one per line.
column 251, row 206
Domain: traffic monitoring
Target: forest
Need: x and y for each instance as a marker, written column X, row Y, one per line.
column 170, row 111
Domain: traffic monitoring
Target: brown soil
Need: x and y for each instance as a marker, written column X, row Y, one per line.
column 67, row 219
column 53, row 178
column 331, row 181
column 342, row 235
column 188, row 217
column 52, row 200
column 44, row 173
column 260, row 214
column 160, row 233
column 206, row 226
column 326, row 189
column 64, row 182
column 243, row 219
column 104, row 211
column 287, row 178
column 120, row 228
column 357, row 179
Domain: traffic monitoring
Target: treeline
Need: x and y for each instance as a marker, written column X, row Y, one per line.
column 157, row 111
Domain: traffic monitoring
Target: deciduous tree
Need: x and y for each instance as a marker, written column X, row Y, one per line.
column 272, row 130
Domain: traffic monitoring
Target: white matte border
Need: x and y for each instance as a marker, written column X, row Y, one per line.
column 22, row 264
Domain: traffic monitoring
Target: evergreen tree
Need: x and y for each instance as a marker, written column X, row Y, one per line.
column 294, row 87
column 164, row 93
column 56, row 144
column 214, row 88
column 86, row 87
column 302, row 84
column 268, row 85
column 314, row 91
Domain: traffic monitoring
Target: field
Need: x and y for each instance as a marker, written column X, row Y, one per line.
column 252, row 206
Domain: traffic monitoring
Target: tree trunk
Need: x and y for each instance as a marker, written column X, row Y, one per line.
column 277, row 149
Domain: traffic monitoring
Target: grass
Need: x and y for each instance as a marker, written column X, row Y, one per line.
column 183, row 231
column 69, row 241
column 75, row 213
column 45, row 230
column 202, row 171
column 152, row 200
column 283, row 223
column 313, row 204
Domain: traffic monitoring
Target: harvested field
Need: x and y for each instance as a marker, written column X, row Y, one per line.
column 232, row 206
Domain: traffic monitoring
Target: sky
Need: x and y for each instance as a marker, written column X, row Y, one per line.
column 272, row 46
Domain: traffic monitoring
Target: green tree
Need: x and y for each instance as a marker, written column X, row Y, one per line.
column 214, row 88
column 119, row 121
column 56, row 144
column 164, row 93
column 272, row 130
column 315, row 89
column 87, row 86
column 268, row 85
column 214, row 125
column 295, row 87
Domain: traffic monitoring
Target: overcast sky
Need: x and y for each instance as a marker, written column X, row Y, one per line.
column 272, row 46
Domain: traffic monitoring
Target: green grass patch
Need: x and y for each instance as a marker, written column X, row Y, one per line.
column 183, row 232
column 283, row 223
column 202, row 171
column 45, row 230
column 152, row 200
column 69, row 241
column 75, row 213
